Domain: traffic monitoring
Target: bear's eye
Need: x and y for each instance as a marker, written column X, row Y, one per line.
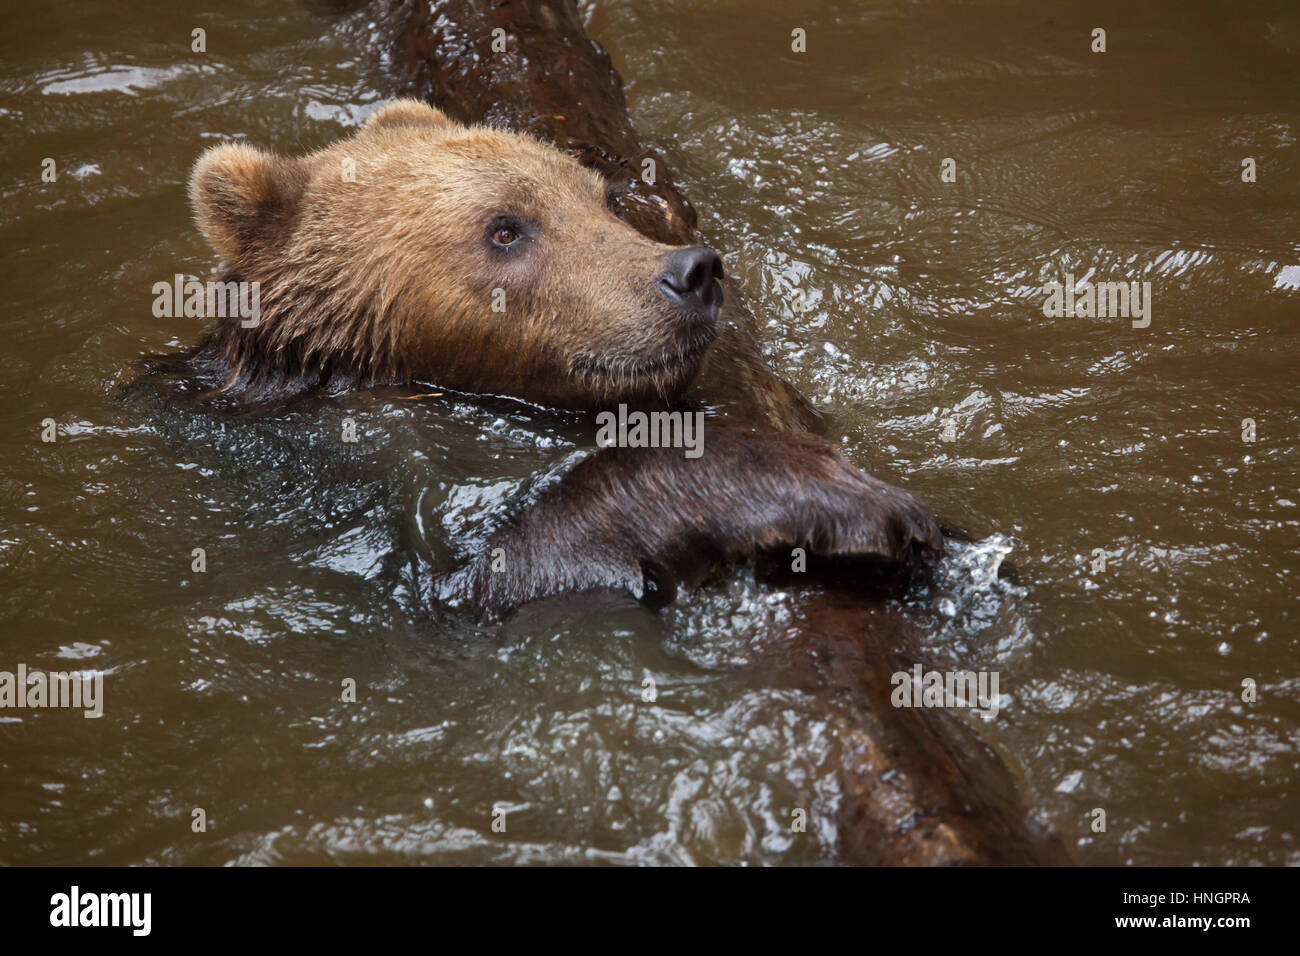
column 509, row 234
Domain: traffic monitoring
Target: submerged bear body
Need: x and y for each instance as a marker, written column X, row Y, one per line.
column 422, row 250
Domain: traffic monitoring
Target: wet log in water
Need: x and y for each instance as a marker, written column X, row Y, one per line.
column 919, row 785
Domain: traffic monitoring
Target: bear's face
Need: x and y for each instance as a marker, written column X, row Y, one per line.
column 473, row 258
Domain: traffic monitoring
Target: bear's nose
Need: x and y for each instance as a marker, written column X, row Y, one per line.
column 689, row 280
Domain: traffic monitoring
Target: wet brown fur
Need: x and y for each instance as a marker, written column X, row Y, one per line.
column 390, row 278
column 647, row 520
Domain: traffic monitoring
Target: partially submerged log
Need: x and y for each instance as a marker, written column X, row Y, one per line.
column 919, row 786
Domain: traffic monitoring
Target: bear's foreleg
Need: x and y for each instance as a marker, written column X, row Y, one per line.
column 647, row 520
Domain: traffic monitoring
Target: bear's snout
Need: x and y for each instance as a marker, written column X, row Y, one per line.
column 690, row 281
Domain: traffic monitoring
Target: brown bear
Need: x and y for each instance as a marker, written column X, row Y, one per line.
column 422, row 249
column 487, row 262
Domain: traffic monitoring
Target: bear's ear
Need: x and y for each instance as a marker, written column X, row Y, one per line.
column 244, row 198
column 406, row 112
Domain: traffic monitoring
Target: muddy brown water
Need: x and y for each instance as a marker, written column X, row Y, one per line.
column 918, row 325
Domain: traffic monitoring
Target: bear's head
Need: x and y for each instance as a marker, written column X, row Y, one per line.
column 473, row 258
